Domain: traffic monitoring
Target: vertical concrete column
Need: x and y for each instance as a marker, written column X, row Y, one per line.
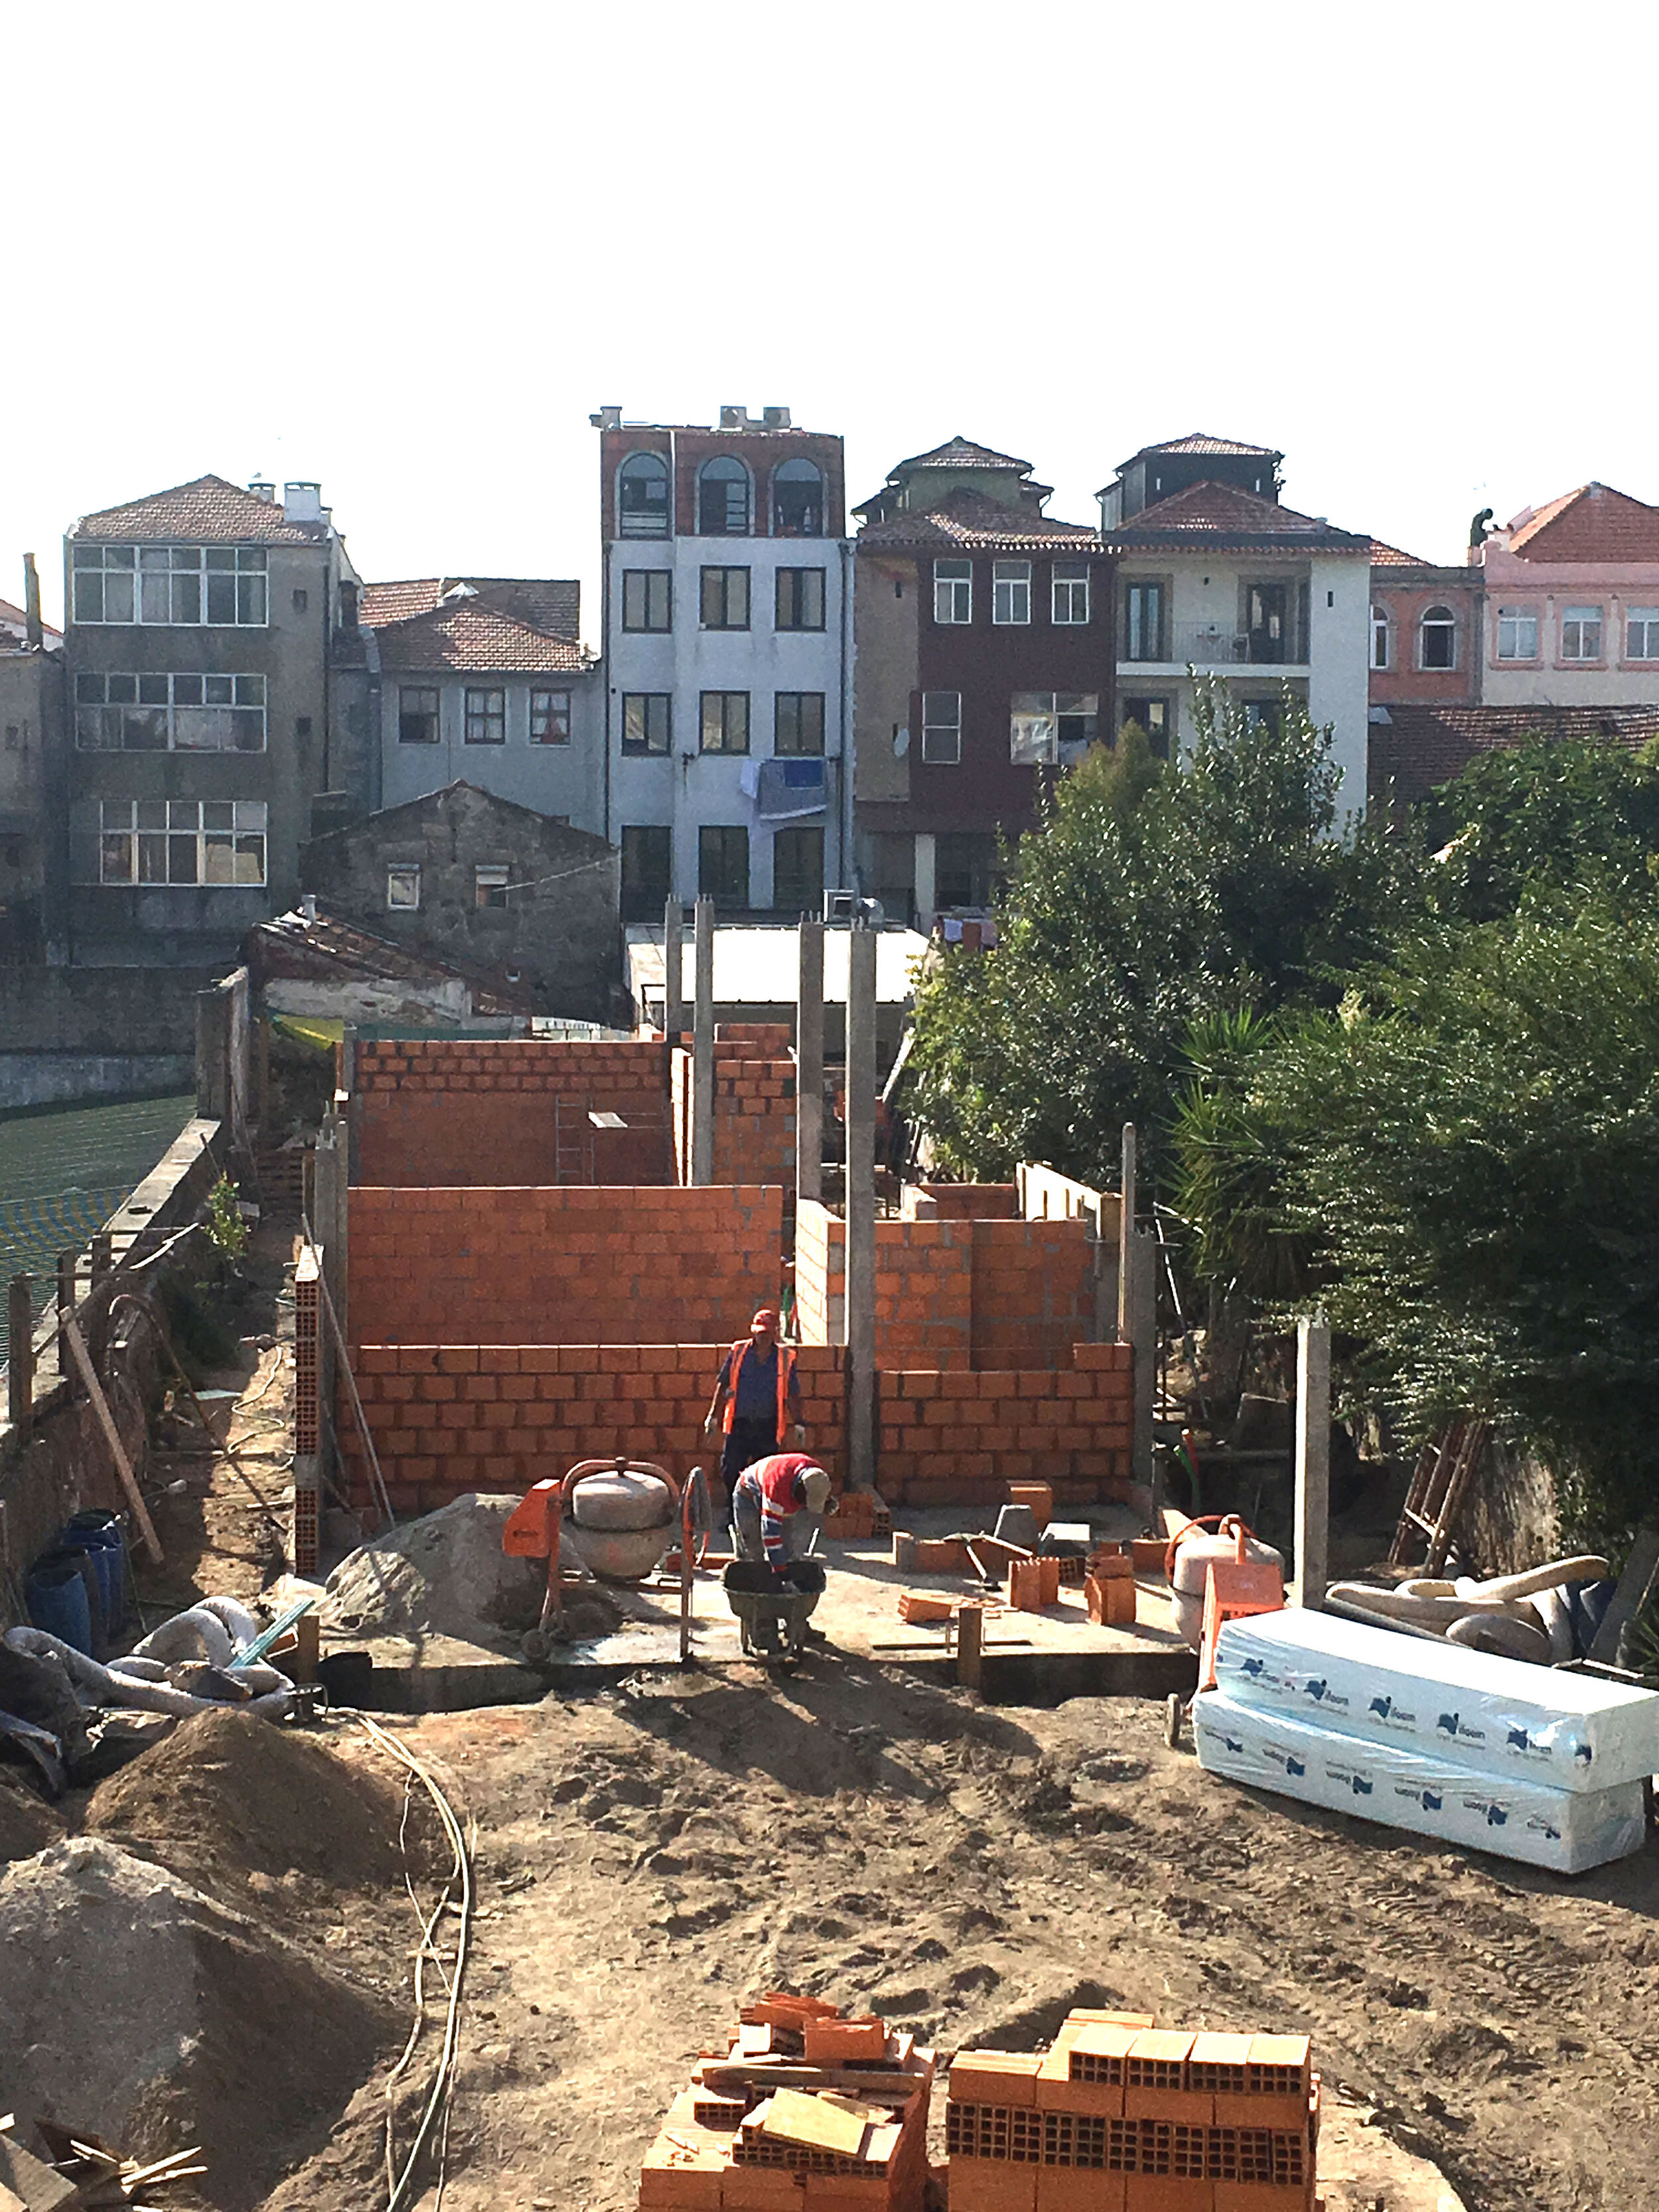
column 1143, row 1337
column 861, row 1207
column 703, row 1048
column 1313, row 1460
column 1126, row 1232
column 809, row 1063
column 673, row 999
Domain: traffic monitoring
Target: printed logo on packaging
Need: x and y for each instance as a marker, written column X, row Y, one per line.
column 1452, row 1725
column 1318, row 1687
column 1396, row 1716
column 1409, row 1794
column 1353, row 1779
column 1488, row 1808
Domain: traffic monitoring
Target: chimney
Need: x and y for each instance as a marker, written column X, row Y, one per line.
column 776, row 418
column 33, row 630
column 608, row 418
column 263, row 491
column 735, row 418
column 302, row 502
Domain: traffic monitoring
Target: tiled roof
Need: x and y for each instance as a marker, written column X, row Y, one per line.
column 967, row 522
column 962, row 453
column 1595, row 523
column 291, row 947
column 1231, row 520
column 13, row 617
column 552, row 603
column 1200, row 441
column 208, row 512
column 1391, row 557
column 472, row 635
column 1417, row 747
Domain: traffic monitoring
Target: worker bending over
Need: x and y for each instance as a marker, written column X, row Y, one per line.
column 757, row 1397
column 778, row 1507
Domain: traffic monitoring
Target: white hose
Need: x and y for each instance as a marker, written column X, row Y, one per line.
column 141, row 1681
column 195, row 1634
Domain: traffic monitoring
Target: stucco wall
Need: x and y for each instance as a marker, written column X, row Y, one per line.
column 562, row 779
column 1549, row 588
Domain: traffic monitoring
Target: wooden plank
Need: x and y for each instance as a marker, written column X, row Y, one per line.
column 1634, row 1588
column 82, row 1357
column 797, row 2115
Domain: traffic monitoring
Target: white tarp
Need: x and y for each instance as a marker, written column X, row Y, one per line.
column 1436, row 1796
column 1500, row 1717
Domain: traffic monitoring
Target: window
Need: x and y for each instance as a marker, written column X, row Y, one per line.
column 798, row 500
column 1043, row 725
column 1379, row 637
column 1436, row 638
column 798, row 722
column 647, row 721
column 964, row 867
column 799, row 598
column 723, row 865
column 417, row 714
column 798, row 871
column 222, row 585
column 1581, row 634
column 1266, row 714
column 490, row 887
column 1517, row 633
column 725, row 599
column 645, row 871
column 549, row 717
column 953, row 591
column 486, row 717
column 1150, row 717
column 160, row 713
column 218, row 842
column 726, row 721
column 403, row 890
column 723, row 499
column 1143, row 606
column 643, row 497
column 1071, row 591
column 648, row 599
column 941, row 728
column 1010, row 590
column 1642, row 634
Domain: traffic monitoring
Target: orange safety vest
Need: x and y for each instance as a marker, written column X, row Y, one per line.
column 786, row 1368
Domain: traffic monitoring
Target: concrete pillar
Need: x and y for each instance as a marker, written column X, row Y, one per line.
column 1125, row 1230
column 1143, row 1337
column 673, row 1002
column 809, row 1063
column 703, row 1048
column 1313, row 1461
column 861, row 1207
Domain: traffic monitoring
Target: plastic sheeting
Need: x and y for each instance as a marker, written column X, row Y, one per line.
column 1434, row 1797
column 1492, row 1716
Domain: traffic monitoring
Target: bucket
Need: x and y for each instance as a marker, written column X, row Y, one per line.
column 98, row 1534
column 55, row 1592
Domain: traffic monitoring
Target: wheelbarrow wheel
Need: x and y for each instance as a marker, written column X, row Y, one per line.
column 1175, row 1712
column 537, row 1646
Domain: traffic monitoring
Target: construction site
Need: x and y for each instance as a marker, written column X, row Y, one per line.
column 443, row 1763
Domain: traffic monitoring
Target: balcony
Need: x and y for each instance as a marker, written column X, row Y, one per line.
column 1212, row 645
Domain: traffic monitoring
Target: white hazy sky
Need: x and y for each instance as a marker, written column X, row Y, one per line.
column 408, row 249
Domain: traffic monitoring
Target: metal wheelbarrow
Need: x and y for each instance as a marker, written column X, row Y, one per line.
column 772, row 1605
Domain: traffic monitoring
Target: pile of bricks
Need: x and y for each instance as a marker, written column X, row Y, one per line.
column 805, row 2110
column 1122, row 2116
column 943, row 1434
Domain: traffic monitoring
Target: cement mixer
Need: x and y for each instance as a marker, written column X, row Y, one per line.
column 619, row 1516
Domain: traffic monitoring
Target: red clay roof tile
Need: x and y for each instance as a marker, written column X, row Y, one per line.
column 967, row 522
column 1223, row 516
column 208, row 512
column 1595, row 523
column 470, row 633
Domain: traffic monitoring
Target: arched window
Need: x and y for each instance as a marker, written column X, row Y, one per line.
column 1379, row 637
column 643, row 497
column 798, row 500
column 723, row 498
column 1438, row 639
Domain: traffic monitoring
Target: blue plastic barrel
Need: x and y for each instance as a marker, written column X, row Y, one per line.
column 56, row 1594
column 98, row 1534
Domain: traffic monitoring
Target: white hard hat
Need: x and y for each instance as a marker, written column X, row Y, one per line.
column 815, row 1486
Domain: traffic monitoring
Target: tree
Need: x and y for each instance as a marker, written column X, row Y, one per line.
column 1546, row 816
column 1151, row 894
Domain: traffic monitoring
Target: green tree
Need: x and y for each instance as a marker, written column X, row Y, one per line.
column 1545, row 816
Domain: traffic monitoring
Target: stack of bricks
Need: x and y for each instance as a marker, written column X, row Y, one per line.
column 754, row 1105
column 1122, row 2116
column 562, row 1264
column 956, row 1438
column 447, row 1419
column 850, row 2134
column 494, row 1110
column 1108, row 1588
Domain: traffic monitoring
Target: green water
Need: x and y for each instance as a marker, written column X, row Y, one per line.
column 63, row 1172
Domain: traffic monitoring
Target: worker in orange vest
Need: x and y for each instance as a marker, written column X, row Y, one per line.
column 756, row 1399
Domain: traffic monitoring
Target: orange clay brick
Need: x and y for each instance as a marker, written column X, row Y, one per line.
column 995, row 2077
column 1155, row 2079
column 991, row 2184
column 1077, row 2189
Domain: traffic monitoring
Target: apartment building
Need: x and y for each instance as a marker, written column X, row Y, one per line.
column 727, row 646
column 984, row 637
column 31, row 754
column 1572, row 602
column 198, row 646
column 1216, row 577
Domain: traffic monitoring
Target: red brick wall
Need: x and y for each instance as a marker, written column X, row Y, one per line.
column 1033, row 1293
column 973, row 1201
column 447, row 1419
column 557, row 1265
column 754, row 1105
column 952, row 1438
column 474, row 1111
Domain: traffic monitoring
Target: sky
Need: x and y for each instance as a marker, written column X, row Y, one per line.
column 408, row 250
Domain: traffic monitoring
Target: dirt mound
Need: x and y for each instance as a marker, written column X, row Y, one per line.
column 137, row 2007
column 228, row 1796
column 443, row 1575
column 27, row 1825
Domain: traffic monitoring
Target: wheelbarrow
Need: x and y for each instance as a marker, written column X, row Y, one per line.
column 773, row 1607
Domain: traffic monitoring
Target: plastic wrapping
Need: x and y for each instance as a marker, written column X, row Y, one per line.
column 1435, row 1796
column 1497, row 1717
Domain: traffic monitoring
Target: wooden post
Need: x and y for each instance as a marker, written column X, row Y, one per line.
column 861, row 1206
column 20, row 1353
column 103, row 1257
column 970, row 1631
column 1313, row 1460
column 673, row 996
column 702, row 1049
column 308, row 1631
column 77, row 1345
column 65, row 1305
column 809, row 1063
column 1126, row 1232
